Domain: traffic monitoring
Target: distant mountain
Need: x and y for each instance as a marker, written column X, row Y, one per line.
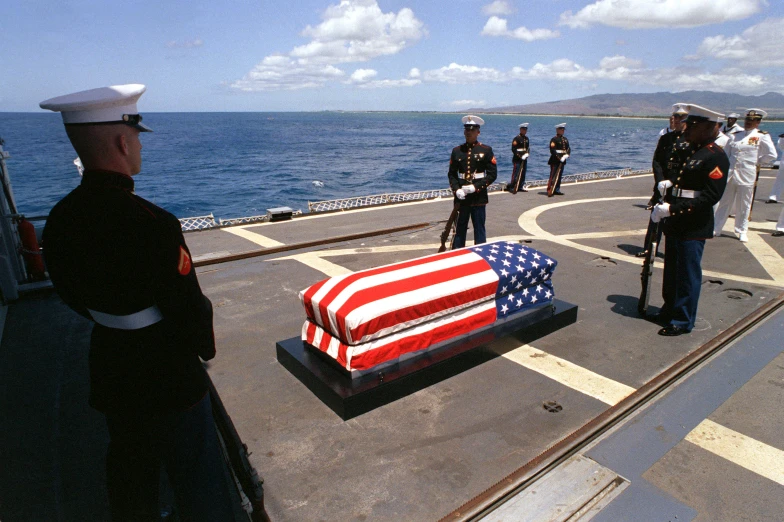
column 647, row 104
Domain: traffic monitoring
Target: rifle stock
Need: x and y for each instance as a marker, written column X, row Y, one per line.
column 448, row 227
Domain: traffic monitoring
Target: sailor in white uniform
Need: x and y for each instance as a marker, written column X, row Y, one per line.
column 746, row 151
column 732, row 126
column 778, row 185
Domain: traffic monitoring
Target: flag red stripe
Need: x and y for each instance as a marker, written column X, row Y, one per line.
column 421, row 310
column 391, row 288
column 307, row 298
column 334, row 292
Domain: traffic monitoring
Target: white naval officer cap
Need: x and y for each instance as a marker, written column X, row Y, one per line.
column 679, row 109
column 472, row 121
column 734, row 115
column 560, row 126
column 523, row 126
column 755, row 114
column 104, row 105
column 699, row 114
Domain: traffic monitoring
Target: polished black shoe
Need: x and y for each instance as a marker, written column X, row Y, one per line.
column 642, row 253
column 777, row 233
column 671, row 331
column 771, row 201
column 558, row 193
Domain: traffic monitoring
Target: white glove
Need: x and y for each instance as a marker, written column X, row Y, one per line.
column 524, row 156
column 460, row 193
column 469, row 189
column 662, row 210
column 564, row 158
column 663, row 186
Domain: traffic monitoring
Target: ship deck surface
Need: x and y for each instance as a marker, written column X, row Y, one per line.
column 422, row 456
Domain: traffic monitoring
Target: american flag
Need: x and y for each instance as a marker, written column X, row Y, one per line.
column 428, row 335
column 371, row 304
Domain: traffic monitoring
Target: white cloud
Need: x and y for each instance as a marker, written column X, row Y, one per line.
column 647, row 14
column 462, row 74
column 468, row 103
column 351, row 31
column 498, row 27
column 498, row 7
column 757, row 46
column 277, row 72
column 357, row 30
column 363, row 78
column 185, row 44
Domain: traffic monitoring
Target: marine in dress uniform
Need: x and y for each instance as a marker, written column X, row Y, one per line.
column 688, row 214
column 472, row 168
column 778, row 185
column 122, row 262
column 746, row 151
column 672, row 151
column 559, row 153
column 520, row 153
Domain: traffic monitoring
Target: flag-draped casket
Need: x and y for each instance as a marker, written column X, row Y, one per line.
column 375, row 316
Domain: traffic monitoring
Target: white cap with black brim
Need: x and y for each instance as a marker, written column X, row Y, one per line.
column 101, row 106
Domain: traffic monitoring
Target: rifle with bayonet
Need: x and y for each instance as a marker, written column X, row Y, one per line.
column 651, row 248
column 448, row 228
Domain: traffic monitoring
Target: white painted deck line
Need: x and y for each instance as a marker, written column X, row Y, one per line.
column 317, row 262
column 569, row 374
column 252, row 236
column 739, row 449
column 765, row 255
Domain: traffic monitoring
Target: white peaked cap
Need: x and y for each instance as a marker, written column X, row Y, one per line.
column 473, row 120
column 680, row 108
column 115, row 104
column 560, row 126
column 698, row 114
column 523, row 125
column 756, row 113
column 733, row 115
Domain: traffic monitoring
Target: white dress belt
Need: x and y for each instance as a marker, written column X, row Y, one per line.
column 560, row 152
column 479, row 175
column 136, row 321
column 688, row 194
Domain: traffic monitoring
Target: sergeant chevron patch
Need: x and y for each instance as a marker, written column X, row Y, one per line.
column 184, row 264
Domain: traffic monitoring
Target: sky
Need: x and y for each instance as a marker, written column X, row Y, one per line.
column 356, row 55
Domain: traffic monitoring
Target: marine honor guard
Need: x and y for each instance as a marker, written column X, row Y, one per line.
column 472, row 168
column 122, row 263
column 671, row 153
column 746, row 151
column 688, row 215
column 559, row 153
column 520, row 152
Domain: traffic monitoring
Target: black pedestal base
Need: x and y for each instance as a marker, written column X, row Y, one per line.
column 351, row 397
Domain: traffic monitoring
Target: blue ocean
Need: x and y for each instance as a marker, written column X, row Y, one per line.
column 240, row 164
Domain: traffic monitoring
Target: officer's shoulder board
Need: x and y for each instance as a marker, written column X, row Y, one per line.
column 763, row 132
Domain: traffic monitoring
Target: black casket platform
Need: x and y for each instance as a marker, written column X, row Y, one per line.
column 349, row 397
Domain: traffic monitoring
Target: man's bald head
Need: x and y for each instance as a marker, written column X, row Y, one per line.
column 107, row 147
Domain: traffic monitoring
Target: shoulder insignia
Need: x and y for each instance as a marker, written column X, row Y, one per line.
column 552, row 144
column 716, row 173
column 763, row 132
column 494, row 162
column 184, row 264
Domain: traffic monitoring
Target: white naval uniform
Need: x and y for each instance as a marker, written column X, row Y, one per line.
column 778, row 185
column 722, row 140
column 745, row 151
column 732, row 130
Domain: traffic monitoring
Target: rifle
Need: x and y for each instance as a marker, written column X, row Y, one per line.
column 250, row 485
column 448, row 228
column 518, row 176
column 651, row 246
column 554, row 177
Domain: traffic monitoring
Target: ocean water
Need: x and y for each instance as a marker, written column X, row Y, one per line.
column 240, row 164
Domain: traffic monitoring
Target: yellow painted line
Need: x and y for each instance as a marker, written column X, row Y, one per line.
column 576, row 377
column 527, row 222
column 315, row 260
column 766, row 256
column 252, row 236
column 739, row 449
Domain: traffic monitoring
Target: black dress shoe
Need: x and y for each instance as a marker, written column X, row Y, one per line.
column 642, row 253
column 558, row 193
column 671, row 331
column 771, row 201
column 777, row 233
